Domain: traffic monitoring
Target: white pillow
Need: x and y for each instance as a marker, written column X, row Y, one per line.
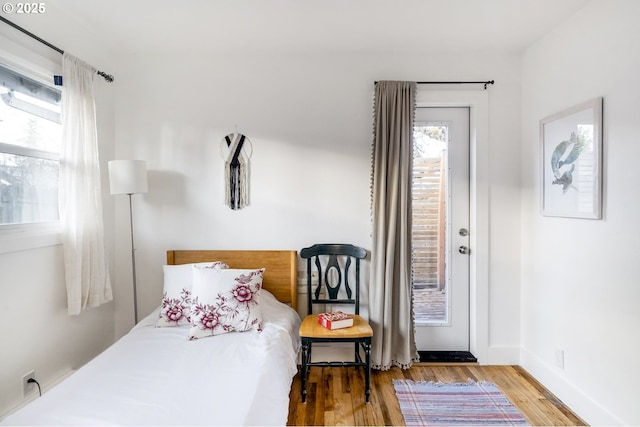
column 225, row 300
column 175, row 309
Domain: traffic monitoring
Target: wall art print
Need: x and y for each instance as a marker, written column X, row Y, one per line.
column 572, row 162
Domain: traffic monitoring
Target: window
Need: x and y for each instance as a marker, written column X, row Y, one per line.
column 30, row 139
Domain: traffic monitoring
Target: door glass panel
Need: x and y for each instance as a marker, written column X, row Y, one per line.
column 429, row 226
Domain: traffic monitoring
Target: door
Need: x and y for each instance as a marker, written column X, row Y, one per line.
column 440, row 229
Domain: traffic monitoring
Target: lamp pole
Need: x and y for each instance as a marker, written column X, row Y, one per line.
column 133, row 263
column 129, row 177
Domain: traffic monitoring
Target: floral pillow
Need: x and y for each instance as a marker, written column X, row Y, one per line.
column 175, row 309
column 225, row 300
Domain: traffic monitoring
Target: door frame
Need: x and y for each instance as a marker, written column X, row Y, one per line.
column 478, row 103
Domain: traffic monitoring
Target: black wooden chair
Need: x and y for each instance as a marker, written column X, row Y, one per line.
column 332, row 263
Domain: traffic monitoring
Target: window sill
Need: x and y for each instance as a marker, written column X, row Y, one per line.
column 14, row 238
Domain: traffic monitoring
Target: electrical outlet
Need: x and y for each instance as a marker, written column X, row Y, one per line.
column 560, row 358
column 28, row 387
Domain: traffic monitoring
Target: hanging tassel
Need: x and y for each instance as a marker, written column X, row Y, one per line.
column 236, row 173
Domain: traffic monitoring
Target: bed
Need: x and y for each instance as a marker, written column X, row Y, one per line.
column 157, row 376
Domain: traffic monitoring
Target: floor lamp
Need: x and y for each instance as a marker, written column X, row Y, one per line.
column 129, row 177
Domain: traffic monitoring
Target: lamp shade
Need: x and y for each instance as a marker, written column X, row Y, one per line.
column 128, row 176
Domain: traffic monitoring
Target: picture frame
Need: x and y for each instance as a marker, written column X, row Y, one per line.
column 571, row 143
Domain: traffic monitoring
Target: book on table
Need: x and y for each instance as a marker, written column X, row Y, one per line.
column 335, row 320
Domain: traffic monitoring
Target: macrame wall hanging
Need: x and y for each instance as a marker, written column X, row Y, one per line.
column 236, row 150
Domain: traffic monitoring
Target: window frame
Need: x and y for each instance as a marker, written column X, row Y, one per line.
column 18, row 150
column 29, row 235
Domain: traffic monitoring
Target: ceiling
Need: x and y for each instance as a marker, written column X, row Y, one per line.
column 316, row 25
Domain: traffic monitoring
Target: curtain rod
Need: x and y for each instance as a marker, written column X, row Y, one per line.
column 485, row 83
column 107, row 77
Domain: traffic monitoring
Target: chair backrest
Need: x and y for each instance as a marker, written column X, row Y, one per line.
column 332, row 263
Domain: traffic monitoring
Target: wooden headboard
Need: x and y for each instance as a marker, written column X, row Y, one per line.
column 280, row 276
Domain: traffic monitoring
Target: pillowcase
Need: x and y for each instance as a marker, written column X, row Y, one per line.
column 175, row 309
column 225, row 300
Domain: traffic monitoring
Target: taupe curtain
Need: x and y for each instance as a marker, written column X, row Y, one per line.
column 390, row 304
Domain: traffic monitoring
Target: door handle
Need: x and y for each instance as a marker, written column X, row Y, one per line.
column 464, row 250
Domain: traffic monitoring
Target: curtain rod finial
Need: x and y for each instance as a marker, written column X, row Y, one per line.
column 107, row 77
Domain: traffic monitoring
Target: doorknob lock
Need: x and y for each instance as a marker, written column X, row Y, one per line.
column 464, row 250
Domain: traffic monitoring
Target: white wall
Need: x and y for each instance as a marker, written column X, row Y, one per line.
column 580, row 288
column 37, row 334
column 309, row 117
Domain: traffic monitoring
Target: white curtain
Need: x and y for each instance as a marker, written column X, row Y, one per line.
column 390, row 304
column 79, row 195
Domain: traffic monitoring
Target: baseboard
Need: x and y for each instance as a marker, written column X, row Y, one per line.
column 551, row 377
column 503, row 355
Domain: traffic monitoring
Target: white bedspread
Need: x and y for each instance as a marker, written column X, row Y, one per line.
column 155, row 376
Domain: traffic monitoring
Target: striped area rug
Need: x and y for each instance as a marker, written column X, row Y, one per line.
column 440, row 404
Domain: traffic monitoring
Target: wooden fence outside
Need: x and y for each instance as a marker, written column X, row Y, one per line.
column 429, row 223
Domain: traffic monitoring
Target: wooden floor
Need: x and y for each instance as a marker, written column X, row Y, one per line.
column 336, row 396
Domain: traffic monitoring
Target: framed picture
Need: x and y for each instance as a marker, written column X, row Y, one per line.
column 572, row 162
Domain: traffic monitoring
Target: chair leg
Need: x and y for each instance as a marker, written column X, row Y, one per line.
column 367, row 372
column 304, row 369
column 356, row 355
